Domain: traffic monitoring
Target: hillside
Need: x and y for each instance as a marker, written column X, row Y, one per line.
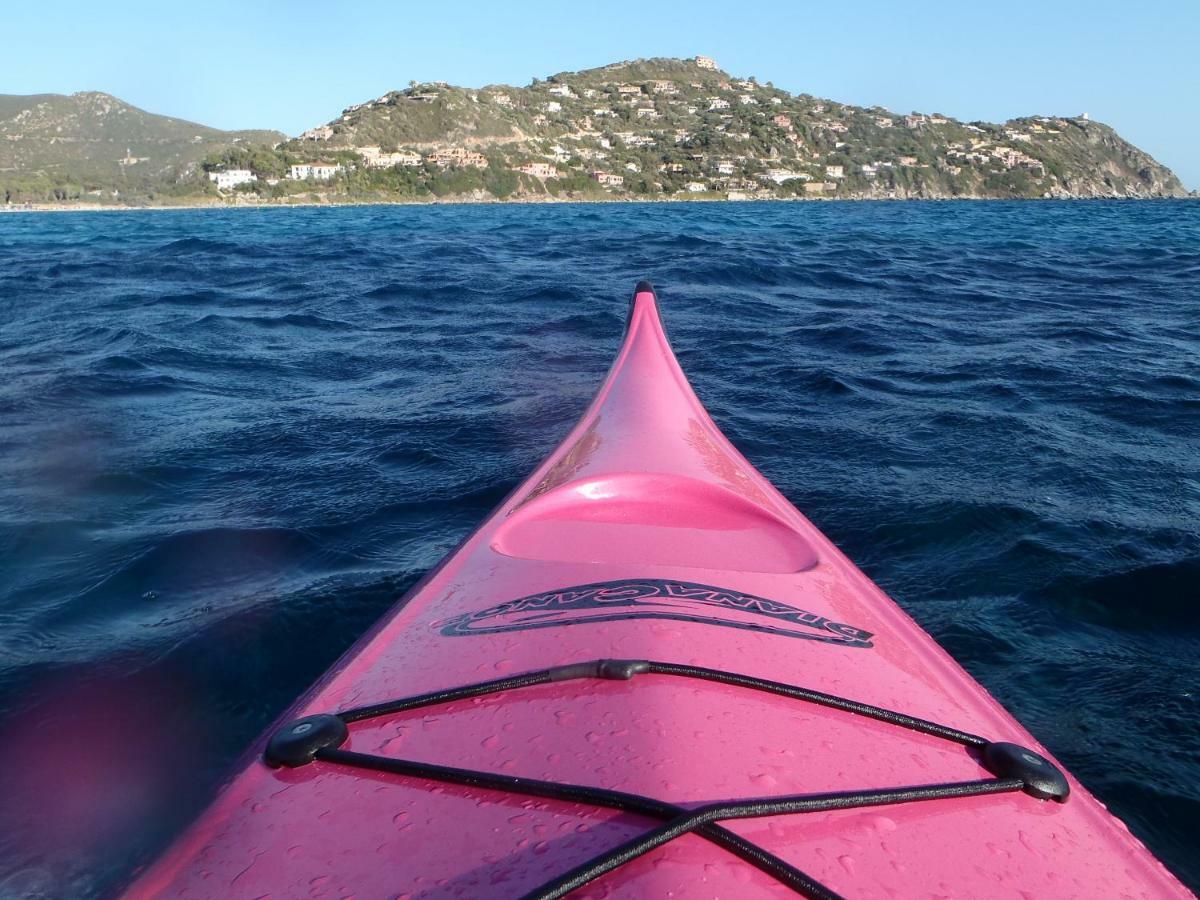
column 94, row 144
column 651, row 129
column 669, row 127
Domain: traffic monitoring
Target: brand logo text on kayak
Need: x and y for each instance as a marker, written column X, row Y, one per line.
column 653, row 598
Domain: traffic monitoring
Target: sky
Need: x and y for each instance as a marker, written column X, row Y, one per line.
column 293, row 65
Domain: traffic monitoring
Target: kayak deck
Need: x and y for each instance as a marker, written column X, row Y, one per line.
column 646, row 536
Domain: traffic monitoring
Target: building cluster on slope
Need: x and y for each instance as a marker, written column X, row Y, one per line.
column 698, row 133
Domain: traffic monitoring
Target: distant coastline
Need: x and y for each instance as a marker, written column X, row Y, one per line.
column 650, row 129
column 556, row 201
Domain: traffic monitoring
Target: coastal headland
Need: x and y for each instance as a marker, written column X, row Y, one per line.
column 650, row 129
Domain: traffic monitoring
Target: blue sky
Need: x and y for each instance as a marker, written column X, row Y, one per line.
column 297, row 64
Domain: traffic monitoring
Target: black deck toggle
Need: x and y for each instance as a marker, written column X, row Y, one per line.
column 613, row 669
column 296, row 743
column 1042, row 778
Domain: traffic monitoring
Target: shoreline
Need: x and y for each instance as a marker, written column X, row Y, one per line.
column 468, row 201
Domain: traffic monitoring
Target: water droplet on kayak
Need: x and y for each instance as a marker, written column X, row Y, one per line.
column 883, row 824
column 490, row 742
column 847, row 863
column 540, row 847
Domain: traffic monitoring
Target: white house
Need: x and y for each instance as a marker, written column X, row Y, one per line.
column 706, row 62
column 318, row 171
column 835, row 172
column 231, row 178
column 779, row 176
column 695, row 187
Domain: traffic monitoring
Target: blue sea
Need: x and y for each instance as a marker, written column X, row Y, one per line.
column 231, row 439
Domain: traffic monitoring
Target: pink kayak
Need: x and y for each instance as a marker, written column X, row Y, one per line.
column 646, row 674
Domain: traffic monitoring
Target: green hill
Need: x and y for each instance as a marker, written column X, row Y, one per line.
column 92, row 144
column 674, row 127
column 647, row 128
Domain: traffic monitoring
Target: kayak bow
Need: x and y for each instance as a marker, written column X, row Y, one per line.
column 647, row 674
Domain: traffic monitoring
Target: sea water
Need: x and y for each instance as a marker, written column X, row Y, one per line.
column 230, row 439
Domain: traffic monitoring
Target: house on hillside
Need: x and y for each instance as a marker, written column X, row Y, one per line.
column 377, row 159
column 835, row 172
column 539, row 170
column 706, row 62
column 231, row 178
column 320, row 133
column 316, row 171
column 779, row 176
column 607, row 178
column 458, row 156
